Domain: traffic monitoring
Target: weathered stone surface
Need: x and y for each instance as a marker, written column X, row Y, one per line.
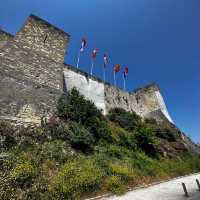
column 4, row 38
column 39, row 36
column 31, row 72
column 146, row 102
column 91, row 89
column 150, row 100
column 115, row 97
column 23, row 98
column 23, row 63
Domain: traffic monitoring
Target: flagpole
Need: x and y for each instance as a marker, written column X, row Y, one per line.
column 78, row 60
column 104, row 73
column 124, row 83
column 114, row 79
column 91, row 71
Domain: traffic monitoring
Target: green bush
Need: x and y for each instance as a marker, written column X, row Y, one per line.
column 7, row 191
column 79, row 137
column 168, row 132
column 57, row 150
column 76, row 177
column 146, row 140
column 7, row 139
column 23, row 173
column 140, row 160
column 73, row 106
column 122, row 137
column 122, row 170
column 127, row 120
column 115, row 185
column 114, row 151
column 99, row 129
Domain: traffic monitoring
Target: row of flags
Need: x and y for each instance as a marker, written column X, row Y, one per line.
column 117, row 67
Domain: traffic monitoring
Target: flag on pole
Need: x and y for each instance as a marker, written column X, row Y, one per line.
column 116, row 70
column 105, row 60
column 125, row 73
column 83, row 45
column 94, row 55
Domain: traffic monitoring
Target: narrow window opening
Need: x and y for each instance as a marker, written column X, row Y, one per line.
column 45, row 39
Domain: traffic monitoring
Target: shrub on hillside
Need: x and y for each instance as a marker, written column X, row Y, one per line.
column 115, row 185
column 114, row 151
column 71, row 132
column 167, row 131
column 80, row 137
column 99, row 129
column 127, row 120
column 7, row 139
column 122, row 137
column 140, row 160
column 23, row 173
column 81, row 175
column 73, row 106
column 122, row 170
column 57, row 150
column 146, row 140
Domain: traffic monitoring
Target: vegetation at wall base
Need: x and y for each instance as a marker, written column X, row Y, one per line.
column 79, row 152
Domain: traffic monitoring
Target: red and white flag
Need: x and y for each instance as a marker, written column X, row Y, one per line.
column 125, row 72
column 94, row 53
column 117, row 68
column 83, row 44
column 105, row 59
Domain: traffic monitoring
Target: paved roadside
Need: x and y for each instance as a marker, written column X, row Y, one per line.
column 171, row 190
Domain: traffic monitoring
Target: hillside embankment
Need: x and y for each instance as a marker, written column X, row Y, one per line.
column 80, row 153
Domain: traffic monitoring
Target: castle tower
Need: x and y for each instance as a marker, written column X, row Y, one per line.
column 151, row 102
column 31, row 71
column 44, row 39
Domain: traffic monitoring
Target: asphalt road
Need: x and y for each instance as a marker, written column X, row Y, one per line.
column 171, row 190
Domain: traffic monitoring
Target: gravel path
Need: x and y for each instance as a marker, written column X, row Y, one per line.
column 171, row 190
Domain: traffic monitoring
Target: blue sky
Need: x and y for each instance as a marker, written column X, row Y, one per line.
column 158, row 40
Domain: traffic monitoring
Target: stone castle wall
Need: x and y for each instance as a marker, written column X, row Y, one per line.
column 146, row 101
column 4, row 38
column 31, row 79
column 32, row 76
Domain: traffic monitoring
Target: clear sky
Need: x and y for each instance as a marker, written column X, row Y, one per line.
column 159, row 41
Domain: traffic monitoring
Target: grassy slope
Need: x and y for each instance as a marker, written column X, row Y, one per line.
column 81, row 153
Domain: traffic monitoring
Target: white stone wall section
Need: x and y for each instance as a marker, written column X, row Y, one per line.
column 91, row 89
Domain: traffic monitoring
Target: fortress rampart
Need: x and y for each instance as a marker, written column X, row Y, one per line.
column 33, row 76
